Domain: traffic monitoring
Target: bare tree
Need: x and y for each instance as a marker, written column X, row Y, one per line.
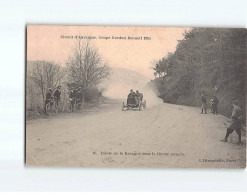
column 46, row 75
column 86, row 67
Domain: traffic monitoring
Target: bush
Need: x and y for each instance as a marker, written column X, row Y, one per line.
column 91, row 94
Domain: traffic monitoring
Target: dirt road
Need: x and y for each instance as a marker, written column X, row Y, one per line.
column 164, row 135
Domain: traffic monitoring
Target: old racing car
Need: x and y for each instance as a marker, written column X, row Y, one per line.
column 134, row 101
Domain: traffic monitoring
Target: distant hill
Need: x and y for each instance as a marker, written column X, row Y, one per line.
column 121, row 81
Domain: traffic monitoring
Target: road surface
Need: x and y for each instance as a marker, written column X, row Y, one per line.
column 163, row 135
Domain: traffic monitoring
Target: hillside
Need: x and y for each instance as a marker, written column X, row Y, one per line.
column 207, row 61
column 121, row 81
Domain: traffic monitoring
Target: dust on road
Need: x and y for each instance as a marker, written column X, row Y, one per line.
column 164, row 135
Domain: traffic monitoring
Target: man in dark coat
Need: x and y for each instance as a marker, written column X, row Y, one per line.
column 57, row 95
column 79, row 98
column 215, row 104
column 204, row 104
column 139, row 95
column 72, row 94
column 72, row 99
column 48, row 99
column 130, row 97
column 235, row 122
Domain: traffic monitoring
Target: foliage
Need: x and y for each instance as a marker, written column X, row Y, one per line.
column 85, row 67
column 209, row 61
column 46, row 75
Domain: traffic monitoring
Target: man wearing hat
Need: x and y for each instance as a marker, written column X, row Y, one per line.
column 130, row 97
column 139, row 95
column 235, row 122
column 72, row 99
column 204, row 104
column 215, row 104
column 79, row 98
column 57, row 95
column 48, row 99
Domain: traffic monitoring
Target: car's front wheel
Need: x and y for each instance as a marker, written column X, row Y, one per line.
column 144, row 104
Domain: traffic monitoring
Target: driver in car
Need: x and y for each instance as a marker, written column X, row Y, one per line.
column 130, row 97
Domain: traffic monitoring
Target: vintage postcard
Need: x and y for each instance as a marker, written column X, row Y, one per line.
column 153, row 97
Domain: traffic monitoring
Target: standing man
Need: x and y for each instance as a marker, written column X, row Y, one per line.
column 72, row 99
column 215, row 104
column 235, row 122
column 204, row 104
column 57, row 95
column 48, row 99
column 212, row 105
column 75, row 98
column 79, row 98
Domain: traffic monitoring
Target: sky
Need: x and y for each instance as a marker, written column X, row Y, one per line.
column 56, row 43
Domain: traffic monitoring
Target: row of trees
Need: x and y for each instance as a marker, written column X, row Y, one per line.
column 207, row 60
column 84, row 68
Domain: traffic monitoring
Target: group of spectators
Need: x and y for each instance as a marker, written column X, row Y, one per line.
column 53, row 99
column 213, row 104
column 50, row 99
column 75, row 98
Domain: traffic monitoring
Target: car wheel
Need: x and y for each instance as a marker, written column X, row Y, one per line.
column 144, row 104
